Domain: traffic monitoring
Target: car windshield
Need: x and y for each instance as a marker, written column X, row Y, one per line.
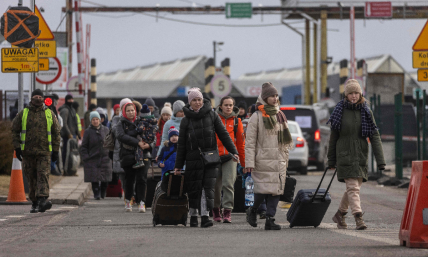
column 293, row 128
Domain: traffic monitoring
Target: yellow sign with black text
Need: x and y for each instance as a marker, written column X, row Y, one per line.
column 15, row 60
column 46, row 48
column 423, row 75
column 420, row 59
column 43, row 64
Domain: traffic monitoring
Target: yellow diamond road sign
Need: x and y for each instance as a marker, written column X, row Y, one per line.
column 19, row 60
column 46, row 48
column 420, row 59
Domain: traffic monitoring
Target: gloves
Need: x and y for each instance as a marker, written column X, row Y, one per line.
column 18, row 154
column 330, row 167
column 54, row 157
column 110, row 155
column 381, row 167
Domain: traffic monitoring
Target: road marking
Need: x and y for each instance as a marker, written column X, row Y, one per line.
column 3, row 219
column 54, row 210
column 15, row 216
column 68, row 207
column 374, row 234
column 107, row 220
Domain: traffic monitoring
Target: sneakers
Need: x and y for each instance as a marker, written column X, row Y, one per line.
column 271, row 225
column 44, row 205
column 193, row 221
column 133, row 202
column 128, row 206
column 339, row 218
column 227, row 216
column 360, row 225
column 138, row 165
column 216, row 214
column 142, row 207
column 252, row 216
column 34, row 207
column 206, row 222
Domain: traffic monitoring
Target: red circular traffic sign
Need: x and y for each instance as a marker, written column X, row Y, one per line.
column 49, row 76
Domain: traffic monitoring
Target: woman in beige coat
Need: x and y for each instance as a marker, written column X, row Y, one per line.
column 266, row 154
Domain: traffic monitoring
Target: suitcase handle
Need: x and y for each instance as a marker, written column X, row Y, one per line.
column 319, row 185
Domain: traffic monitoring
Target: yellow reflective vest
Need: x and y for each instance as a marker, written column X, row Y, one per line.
column 79, row 124
column 49, row 120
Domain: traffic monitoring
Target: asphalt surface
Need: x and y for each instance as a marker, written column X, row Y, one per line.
column 102, row 228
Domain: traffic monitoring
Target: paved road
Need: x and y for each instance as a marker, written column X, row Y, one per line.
column 102, row 228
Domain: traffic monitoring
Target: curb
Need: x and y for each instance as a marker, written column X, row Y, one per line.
column 4, row 198
column 76, row 197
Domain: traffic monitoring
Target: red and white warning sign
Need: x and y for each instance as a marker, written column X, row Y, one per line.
column 51, row 75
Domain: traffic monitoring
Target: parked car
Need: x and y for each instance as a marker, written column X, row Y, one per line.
column 312, row 120
column 298, row 157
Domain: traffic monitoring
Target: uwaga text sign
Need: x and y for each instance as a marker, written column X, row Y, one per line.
column 19, row 60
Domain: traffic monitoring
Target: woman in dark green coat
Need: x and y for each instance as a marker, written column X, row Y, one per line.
column 352, row 127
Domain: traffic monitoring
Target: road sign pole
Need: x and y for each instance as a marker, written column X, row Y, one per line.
column 33, row 75
column 424, row 154
column 20, row 83
column 417, row 125
column 398, row 128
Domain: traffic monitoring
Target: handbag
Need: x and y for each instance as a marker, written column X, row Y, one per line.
column 290, row 186
column 109, row 141
column 210, row 157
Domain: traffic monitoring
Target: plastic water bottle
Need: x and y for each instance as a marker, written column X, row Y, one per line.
column 249, row 192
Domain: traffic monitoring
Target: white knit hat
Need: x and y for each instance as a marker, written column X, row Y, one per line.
column 124, row 101
column 167, row 109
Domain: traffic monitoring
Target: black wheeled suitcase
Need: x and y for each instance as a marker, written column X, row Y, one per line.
column 310, row 205
column 170, row 204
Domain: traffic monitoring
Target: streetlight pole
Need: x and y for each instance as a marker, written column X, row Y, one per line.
column 215, row 49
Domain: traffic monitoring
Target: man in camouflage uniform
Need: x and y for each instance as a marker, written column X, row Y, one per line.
column 31, row 142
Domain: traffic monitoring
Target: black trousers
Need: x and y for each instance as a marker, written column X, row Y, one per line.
column 271, row 203
column 139, row 178
column 64, row 149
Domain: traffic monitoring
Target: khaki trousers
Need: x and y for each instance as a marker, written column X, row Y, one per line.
column 225, row 181
column 351, row 197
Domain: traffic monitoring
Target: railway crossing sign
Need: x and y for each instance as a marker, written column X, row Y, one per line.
column 14, row 60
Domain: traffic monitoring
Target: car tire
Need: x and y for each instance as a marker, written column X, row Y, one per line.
column 303, row 170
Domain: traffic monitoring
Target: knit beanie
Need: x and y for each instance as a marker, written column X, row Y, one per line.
column 178, row 106
column 145, row 111
column 351, row 86
column 268, row 90
column 115, row 107
column 150, row 102
column 194, row 92
column 37, row 92
column 92, row 106
column 75, row 105
column 172, row 131
column 167, row 109
column 123, row 102
column 101, row 112
column 242, row 105
column 67, row 97
column 94, row 114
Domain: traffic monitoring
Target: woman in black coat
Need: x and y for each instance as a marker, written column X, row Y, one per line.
column 200, row 179
column 97, row 165
column 126, row 134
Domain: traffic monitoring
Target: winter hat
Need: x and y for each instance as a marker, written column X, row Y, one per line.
column 123, row 102
column 94, row 114
column 167, row 109
column 92, row 106
column 150, row 102
column 268, row 90
column 75, row 105
column 67, row 97
column 178, row 106
column 145, row 111
column 243, row 105
column 101, row 112
column 115, row 107
column 138, row 106
column 351, row 86
column 172, row 131
column 37, row 92
column 194, row 92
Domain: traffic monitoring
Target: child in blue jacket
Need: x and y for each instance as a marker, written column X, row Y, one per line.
column 166, row 158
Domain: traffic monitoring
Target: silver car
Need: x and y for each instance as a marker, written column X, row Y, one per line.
column 298, row 157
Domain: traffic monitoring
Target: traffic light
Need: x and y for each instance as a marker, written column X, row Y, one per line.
column 48, row 100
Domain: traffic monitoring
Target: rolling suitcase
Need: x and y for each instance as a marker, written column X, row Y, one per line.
column 114, row 189
column 310, row 205
column 170, row 205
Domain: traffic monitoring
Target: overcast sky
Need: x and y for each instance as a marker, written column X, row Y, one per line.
column 126, row 40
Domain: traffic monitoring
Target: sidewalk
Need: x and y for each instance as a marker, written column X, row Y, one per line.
column 70, row 190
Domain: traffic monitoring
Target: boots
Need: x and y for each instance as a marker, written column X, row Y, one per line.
column 44, row 205
column 360, row 225
column 227, row 216
column 103, row 190
column 34, row 207
column 217, row 214
column 206, row 222
column 270, row 224
column 252, row 216
column 193, row 221
column 339, row 218
column 96, row 190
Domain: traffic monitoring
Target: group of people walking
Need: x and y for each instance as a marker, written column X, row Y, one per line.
column 176, row 138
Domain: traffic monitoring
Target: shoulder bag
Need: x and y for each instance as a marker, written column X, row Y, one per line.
column 210, row 157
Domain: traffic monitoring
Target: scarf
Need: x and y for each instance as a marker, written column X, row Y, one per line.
column 368, row 127
column 275, row 122
column 124, row 112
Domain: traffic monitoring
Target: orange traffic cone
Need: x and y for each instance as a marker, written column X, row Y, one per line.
column 16, row 187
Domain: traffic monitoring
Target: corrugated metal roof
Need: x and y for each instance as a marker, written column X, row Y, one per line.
column 155, row 80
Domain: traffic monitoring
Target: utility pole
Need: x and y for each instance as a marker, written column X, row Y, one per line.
column 308, row 63
column 324, row 51
column 69, row 29
column 215, row 49
column 20, row 83
column 315, row 87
